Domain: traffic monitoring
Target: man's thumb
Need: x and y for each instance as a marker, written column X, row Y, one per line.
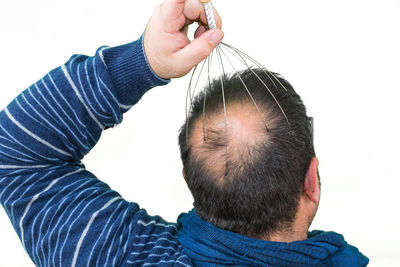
column 216, row 37
column 200, row 48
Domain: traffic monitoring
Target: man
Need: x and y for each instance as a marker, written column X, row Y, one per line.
column 253, row 175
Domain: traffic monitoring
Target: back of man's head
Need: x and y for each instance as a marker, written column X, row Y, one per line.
column 246, row 170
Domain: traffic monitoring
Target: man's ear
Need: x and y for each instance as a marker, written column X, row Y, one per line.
column 311, row 183
column 184, row 175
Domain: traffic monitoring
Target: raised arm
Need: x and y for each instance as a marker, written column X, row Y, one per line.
column 62, row 213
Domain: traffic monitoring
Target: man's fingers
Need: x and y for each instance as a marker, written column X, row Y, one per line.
column 200, row 30
column 168, row 50
column 200, row 48
column 185, row 30
column 218, row 21
column 194, row 11
column 173, row 9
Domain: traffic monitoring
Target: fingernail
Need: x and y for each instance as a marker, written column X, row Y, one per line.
column 216, row 37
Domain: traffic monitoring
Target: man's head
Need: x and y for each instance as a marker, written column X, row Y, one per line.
column 248, row 170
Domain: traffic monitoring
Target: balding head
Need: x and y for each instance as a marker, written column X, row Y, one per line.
column 225, row 145
column 246, row 169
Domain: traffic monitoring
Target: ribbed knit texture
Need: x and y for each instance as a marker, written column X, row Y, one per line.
column 62, row 213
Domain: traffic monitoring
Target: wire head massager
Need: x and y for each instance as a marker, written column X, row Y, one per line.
column 229, row 59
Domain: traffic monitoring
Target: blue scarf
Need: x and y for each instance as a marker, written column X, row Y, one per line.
column 208, row 245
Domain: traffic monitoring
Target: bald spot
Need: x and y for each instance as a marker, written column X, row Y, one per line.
column 226, row 152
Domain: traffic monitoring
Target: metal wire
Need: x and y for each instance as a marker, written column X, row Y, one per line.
column 215, row 69
column 208, row 8
column 227, row 53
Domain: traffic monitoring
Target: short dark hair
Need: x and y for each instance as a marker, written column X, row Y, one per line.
column 256, row 190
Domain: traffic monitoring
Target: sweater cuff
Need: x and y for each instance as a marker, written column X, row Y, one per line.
column 130, row 72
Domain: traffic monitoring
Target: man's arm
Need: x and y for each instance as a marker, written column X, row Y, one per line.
column 61, row 212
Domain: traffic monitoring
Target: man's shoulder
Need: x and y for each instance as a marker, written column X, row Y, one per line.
column 155, row 241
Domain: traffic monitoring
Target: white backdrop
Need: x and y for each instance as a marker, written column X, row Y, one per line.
column 342, row 56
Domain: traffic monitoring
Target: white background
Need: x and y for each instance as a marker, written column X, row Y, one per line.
column 342, row 56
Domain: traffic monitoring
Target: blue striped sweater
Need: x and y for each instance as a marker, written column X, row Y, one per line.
column 64, row 215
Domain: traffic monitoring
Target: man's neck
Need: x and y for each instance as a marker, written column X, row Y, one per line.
column 297, row 231
column 287, row 236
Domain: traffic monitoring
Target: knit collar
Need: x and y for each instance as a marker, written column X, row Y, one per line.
column 208, row 245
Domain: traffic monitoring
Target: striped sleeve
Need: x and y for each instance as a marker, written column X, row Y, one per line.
column 64, row 215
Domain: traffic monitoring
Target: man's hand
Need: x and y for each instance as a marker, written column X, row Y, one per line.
column 168, row 49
